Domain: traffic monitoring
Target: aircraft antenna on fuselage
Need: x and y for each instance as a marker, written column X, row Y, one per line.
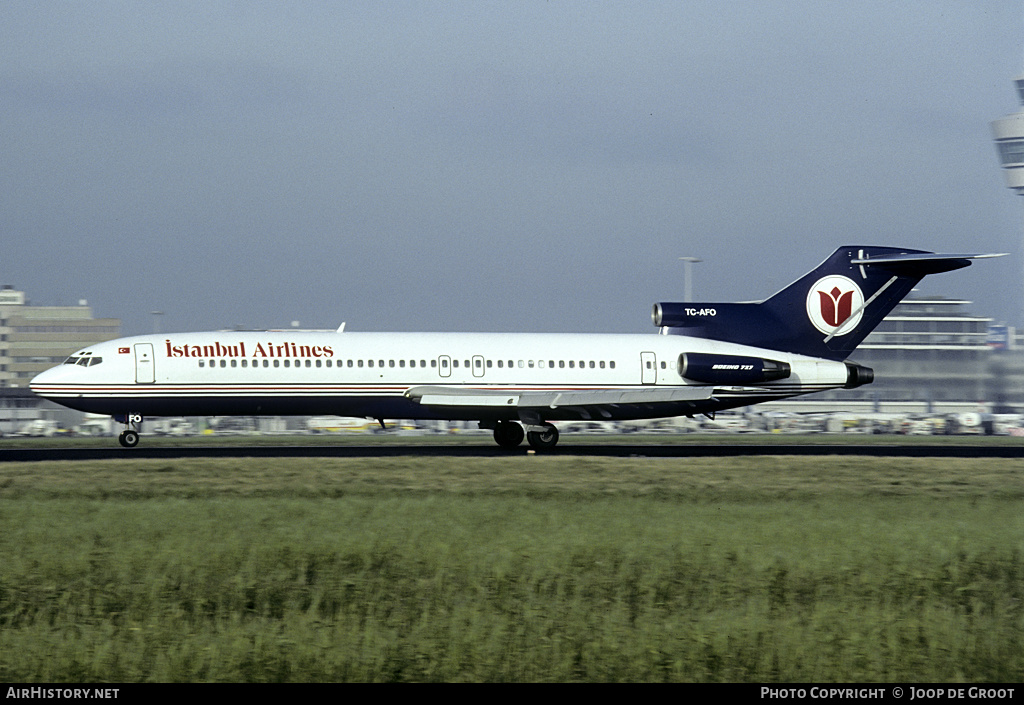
column 341, row 328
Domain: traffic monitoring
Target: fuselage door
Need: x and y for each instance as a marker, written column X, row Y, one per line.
column 144, row 372
column 444, row 366
column 648, row 368
column 478, row 365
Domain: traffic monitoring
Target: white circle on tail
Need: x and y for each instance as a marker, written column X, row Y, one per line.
column 835, row 305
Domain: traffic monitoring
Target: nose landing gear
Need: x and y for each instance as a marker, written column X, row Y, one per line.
column 129, row 437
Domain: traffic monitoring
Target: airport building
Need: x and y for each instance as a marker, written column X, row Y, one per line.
column 928, row 350
column 35, row 338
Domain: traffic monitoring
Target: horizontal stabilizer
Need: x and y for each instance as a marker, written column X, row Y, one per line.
column 922, row 263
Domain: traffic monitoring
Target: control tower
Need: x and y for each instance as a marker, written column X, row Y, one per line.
column 1009, row 135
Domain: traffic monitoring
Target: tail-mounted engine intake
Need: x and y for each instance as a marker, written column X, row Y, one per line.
column 673, row 314
column 731, row 369
column 858, row 375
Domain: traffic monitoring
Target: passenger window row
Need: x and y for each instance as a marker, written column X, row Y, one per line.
column 477, row 363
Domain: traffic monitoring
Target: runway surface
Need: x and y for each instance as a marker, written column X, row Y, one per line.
column 666, row 450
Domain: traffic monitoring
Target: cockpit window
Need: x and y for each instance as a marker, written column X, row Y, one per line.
column 83, row 360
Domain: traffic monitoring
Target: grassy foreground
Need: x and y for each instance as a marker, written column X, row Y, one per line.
column 513, row 569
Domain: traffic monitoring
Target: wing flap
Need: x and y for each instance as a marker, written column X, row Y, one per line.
column 467, row 397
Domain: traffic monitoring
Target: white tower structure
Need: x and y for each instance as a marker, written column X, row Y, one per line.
column 1009, row 135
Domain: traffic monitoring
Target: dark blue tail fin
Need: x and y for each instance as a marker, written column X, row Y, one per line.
column 826, row 313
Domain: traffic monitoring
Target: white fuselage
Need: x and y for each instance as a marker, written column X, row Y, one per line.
column 370, row 374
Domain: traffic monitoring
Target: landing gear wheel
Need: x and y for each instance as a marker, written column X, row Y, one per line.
column 543, row 440
column 129, row 439
column 508, row 434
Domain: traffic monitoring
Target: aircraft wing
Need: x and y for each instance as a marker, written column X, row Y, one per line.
column 484, row 397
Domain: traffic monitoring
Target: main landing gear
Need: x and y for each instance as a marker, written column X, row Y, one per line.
column 543, row 439
column 509, row 434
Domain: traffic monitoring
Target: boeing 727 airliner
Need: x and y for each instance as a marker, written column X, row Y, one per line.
column 710, row 357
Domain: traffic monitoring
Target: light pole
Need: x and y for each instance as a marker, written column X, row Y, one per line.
column 688, row 263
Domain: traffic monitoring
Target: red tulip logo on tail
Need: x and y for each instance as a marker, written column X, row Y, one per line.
column 835, row 305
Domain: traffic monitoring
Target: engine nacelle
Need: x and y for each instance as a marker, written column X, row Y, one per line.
column 858, row 375
column 730, row 369
column 673, row 314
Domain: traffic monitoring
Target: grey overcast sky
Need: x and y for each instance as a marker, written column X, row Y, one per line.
column 493, row 166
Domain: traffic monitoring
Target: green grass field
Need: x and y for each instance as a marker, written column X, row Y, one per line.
column 766, row 569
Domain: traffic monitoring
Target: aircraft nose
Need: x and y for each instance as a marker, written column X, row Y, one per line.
column 43, row 382
column 40, row 380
